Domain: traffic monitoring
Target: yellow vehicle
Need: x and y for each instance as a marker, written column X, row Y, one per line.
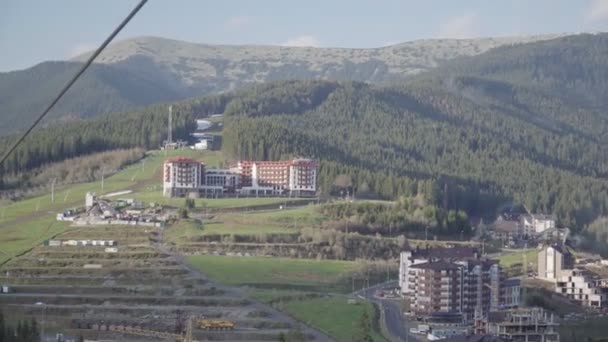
column 215, row 324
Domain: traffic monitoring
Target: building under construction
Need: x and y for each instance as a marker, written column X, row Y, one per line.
column 520, row 325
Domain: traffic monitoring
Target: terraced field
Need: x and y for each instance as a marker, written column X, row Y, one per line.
column 88, row 290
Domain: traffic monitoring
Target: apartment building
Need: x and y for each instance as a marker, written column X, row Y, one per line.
column 424, row 255
column 450, row 280
column 583, row 286
column 297, row 176
column 436, row 287
column 552, row 260
column 537, row 223
column 511, row 293
column 184, row 176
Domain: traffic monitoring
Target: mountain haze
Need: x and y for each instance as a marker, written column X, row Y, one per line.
column 147, row 70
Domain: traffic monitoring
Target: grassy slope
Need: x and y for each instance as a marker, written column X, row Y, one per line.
column 329, row 314
column 333, row 316
column 26, row 223
column 260, row 271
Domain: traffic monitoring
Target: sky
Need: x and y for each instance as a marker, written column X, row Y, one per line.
column 32, row 31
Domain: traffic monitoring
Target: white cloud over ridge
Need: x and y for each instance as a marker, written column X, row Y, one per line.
column 81, row 48
column 302, row 41
column 460, row 27
column 597, row 11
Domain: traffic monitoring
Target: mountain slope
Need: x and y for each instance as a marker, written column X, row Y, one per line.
column 103, row 88
column 478, row 133
column 147, row 70
column 475, row 134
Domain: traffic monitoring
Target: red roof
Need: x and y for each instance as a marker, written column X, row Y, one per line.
column 181, row 160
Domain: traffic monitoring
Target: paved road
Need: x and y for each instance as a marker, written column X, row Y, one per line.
column 393, row 317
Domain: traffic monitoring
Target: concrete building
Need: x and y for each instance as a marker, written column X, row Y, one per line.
column 508, row 229
column 90, row 199
column 583, row 286
column 511, row 296
column 436, row 287
column 218, row 181
column 450, row 280
column 537, row 223
column 552, row 260
column 521, row 325
column 297, row 176
column 182, row 176
column 424, row 255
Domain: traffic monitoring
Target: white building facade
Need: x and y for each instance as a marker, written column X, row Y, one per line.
column 181, row 176
column 581, row 286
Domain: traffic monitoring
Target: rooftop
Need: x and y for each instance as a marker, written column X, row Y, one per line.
column 437, row 266
column 506, row 225
column 457, row 252
column 512, row 282
column 181, row 160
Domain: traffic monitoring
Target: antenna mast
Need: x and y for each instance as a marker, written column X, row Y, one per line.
column 170, row 134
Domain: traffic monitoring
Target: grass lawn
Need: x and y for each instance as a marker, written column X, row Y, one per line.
column 19, row 238
column 274, row 272
column 28, row 222
column 511, row 259
column 242, row 228
column 332, row 315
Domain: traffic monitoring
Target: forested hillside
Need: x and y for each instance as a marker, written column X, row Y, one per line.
column 509, row 125
column 147, row 70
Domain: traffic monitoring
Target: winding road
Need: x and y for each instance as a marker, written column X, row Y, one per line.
column 394, row 321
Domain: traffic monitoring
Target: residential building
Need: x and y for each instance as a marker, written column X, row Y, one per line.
column 182, row 176
column 583, row 286
column 297, row 176
column 552, row 260
column 218, row 181
column 521, row 325
column 511, row 293
column 537, row 223
column 450, row 280
column 423, row 255
column 508, row 229
column 436, row 287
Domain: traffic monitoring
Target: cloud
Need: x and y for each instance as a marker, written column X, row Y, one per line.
column 238, row 22
column 462, row 26
column 597, row 11
column 389, row 43
column 304, row 40
column 81, row 48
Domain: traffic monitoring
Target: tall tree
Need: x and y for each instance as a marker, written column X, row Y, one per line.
column 363, row 329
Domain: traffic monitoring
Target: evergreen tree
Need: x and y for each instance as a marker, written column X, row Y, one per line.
column 2, row 328
column 363, row 329
column 34, row 330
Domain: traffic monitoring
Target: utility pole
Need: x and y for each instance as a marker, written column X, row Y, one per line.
column 103, row 171
column 67, row 193
column 53, row 190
